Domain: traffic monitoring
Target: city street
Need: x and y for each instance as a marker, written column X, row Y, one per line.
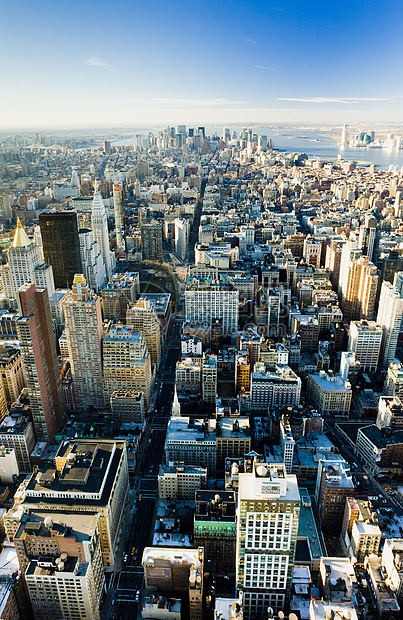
column 126, row 585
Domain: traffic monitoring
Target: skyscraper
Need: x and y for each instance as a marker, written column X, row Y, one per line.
column 82, row 311
column 91, row 260
column 126, row 362
column 359, row 296
column 119, row 215
column 143, row 318
column 151, row 240
column 366, row 240
column 24, row 259
column 38, row 349
column 61, row 245
column 390, row 313
column 267, row 528
column 99, row 225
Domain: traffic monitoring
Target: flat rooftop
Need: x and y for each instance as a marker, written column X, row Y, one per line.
column 160, row 301
column 77, row 487
column 333, row 384
column 64, row 523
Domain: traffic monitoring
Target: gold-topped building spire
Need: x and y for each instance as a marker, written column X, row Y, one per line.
column 21, row 239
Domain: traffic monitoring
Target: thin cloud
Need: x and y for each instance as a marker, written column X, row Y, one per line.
column 180, row 101
column 249, row 40
column 265, row 68
column 348, row 100
column 94, row 61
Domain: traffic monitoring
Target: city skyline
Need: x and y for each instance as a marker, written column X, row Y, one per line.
column 158, row 63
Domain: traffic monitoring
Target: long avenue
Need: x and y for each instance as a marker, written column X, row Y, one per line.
column 129, row 582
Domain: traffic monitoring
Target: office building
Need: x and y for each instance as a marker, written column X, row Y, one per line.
column 392, row 565
column 330, row 394
column 151, row 240
column 126, row 362
column 381, row 450
column 61, row 245
column 121, row 290
column 65, row 590
column 127, row 407
column 267, row 528
column 281, row 387
column 233, row 439
column 56, row 309
column 191, row 346
column 312, row 251
column 386, row 602
column 334, row 483
column 242, row 373
column 12, row 372
column 393, row 385
column 158, row 607
column 57, row 532
column 188, row 376
column 390, row 313
column 365, row 340
column 350, row 367
column 178, row 572
column 41, row 367
column 214, row 529
column 91, row 260
column 333, row 262
column 206, row 301
column 181, row 237
column 90, row 476
column 359, row 295
column 390, row 413
column 287, row 443
column 367, row 235
column 17, row 432
column 141, row 315
column 82, row 311
column 192, row 442
column 25, row 263
column 180, row 481
column 99, row 225
column 365, row 539
column 5, row 203
column 119, row 210
column 209, row 378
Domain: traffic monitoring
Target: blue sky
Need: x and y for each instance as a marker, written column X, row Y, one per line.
column 131, row 62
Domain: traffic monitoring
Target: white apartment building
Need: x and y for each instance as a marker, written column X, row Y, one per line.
column 274, row 388
column 365, row 340
column 365, row 539
column 65, row 590
column 99, row 225
column 267, row 528
column 18, row 433
column 390, row 313
column 181, row 237
column 206, row 301
column 287, row 443
column 180, row 481
column 91, row 260
column 393, row 385
column 392, row 555
column 330, row 394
